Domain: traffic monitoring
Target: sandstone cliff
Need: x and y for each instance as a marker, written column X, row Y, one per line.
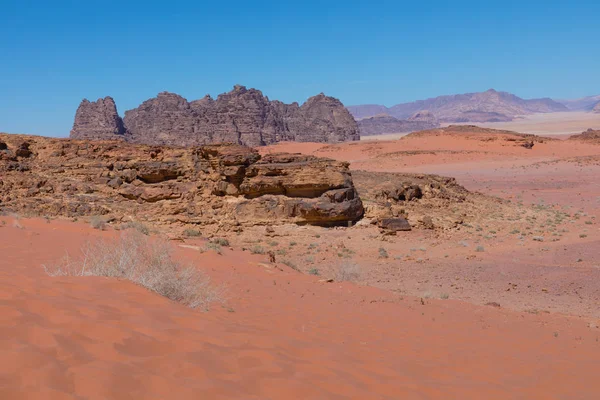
column 241, row 116
column 224, row 185
column 97, row 120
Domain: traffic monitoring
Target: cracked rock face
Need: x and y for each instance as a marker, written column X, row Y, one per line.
column 224, row 184
column 241, row 116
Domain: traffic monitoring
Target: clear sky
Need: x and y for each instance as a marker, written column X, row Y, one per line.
column 55, row 53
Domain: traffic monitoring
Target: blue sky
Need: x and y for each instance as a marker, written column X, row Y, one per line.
column 54, row 53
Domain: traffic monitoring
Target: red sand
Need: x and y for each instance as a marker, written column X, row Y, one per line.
column 282, row 335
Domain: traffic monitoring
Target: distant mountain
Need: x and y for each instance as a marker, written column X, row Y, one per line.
column 581, row 104
column 367, row 110
column 488, row 106
column 383, row 124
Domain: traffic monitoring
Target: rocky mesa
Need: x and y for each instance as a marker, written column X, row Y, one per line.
column 226, row 185
column 241, row 116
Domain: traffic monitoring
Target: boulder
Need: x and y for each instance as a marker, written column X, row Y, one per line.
column 395, row 224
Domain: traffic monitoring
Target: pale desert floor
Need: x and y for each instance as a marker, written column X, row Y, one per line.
column 549, row 124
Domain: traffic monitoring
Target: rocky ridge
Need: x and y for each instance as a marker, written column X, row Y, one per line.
column 223, row 186
column 242, row 116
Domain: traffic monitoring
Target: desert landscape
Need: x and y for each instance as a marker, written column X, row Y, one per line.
column 299, row 200
column 448, row 262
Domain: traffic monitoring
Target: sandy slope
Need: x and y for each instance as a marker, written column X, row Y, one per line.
column 281, row 335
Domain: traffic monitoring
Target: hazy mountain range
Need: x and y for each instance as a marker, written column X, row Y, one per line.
column 581, row 104
column 488, row 106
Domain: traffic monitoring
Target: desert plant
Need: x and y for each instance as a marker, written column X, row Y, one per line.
column 192, row 233
column 383, row 253
column 221, row 241
column 216, row 247
column 145, row 262
column 257, row 250
column 314, row 271
column 98, row 222
column 347, row 271
column 480, row 249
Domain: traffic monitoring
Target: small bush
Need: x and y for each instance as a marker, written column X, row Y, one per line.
column 383, row 253
column 146, row 263
column 347, row 272
column 221, row 241
column 444, row 296
column 257, row 250
column 583, row 235
column 216, row 247
column 98, row 222
column 192, row 233
column 480, row 249
column 314, row 271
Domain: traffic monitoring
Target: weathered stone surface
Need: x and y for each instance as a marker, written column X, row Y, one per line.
column 241, row 116
column 395, row 224
column 225, row 185
column 426, row 201
column 97, row 120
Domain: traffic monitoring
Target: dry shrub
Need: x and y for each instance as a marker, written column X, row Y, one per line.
column 347, row 271
column 145, row 262
column 98, row 222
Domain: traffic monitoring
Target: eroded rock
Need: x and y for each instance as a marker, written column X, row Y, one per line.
column 241, row 116
column 229, row 185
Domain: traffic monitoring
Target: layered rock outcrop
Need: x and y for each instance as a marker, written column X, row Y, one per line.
column 97, row 120
column 224, row 185
column 242, row 116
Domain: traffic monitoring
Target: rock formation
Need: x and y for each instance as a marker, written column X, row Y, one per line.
column 97, row 120
column 382, row 124
column 590, row 135
column 242, row 116
column 216, row 185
